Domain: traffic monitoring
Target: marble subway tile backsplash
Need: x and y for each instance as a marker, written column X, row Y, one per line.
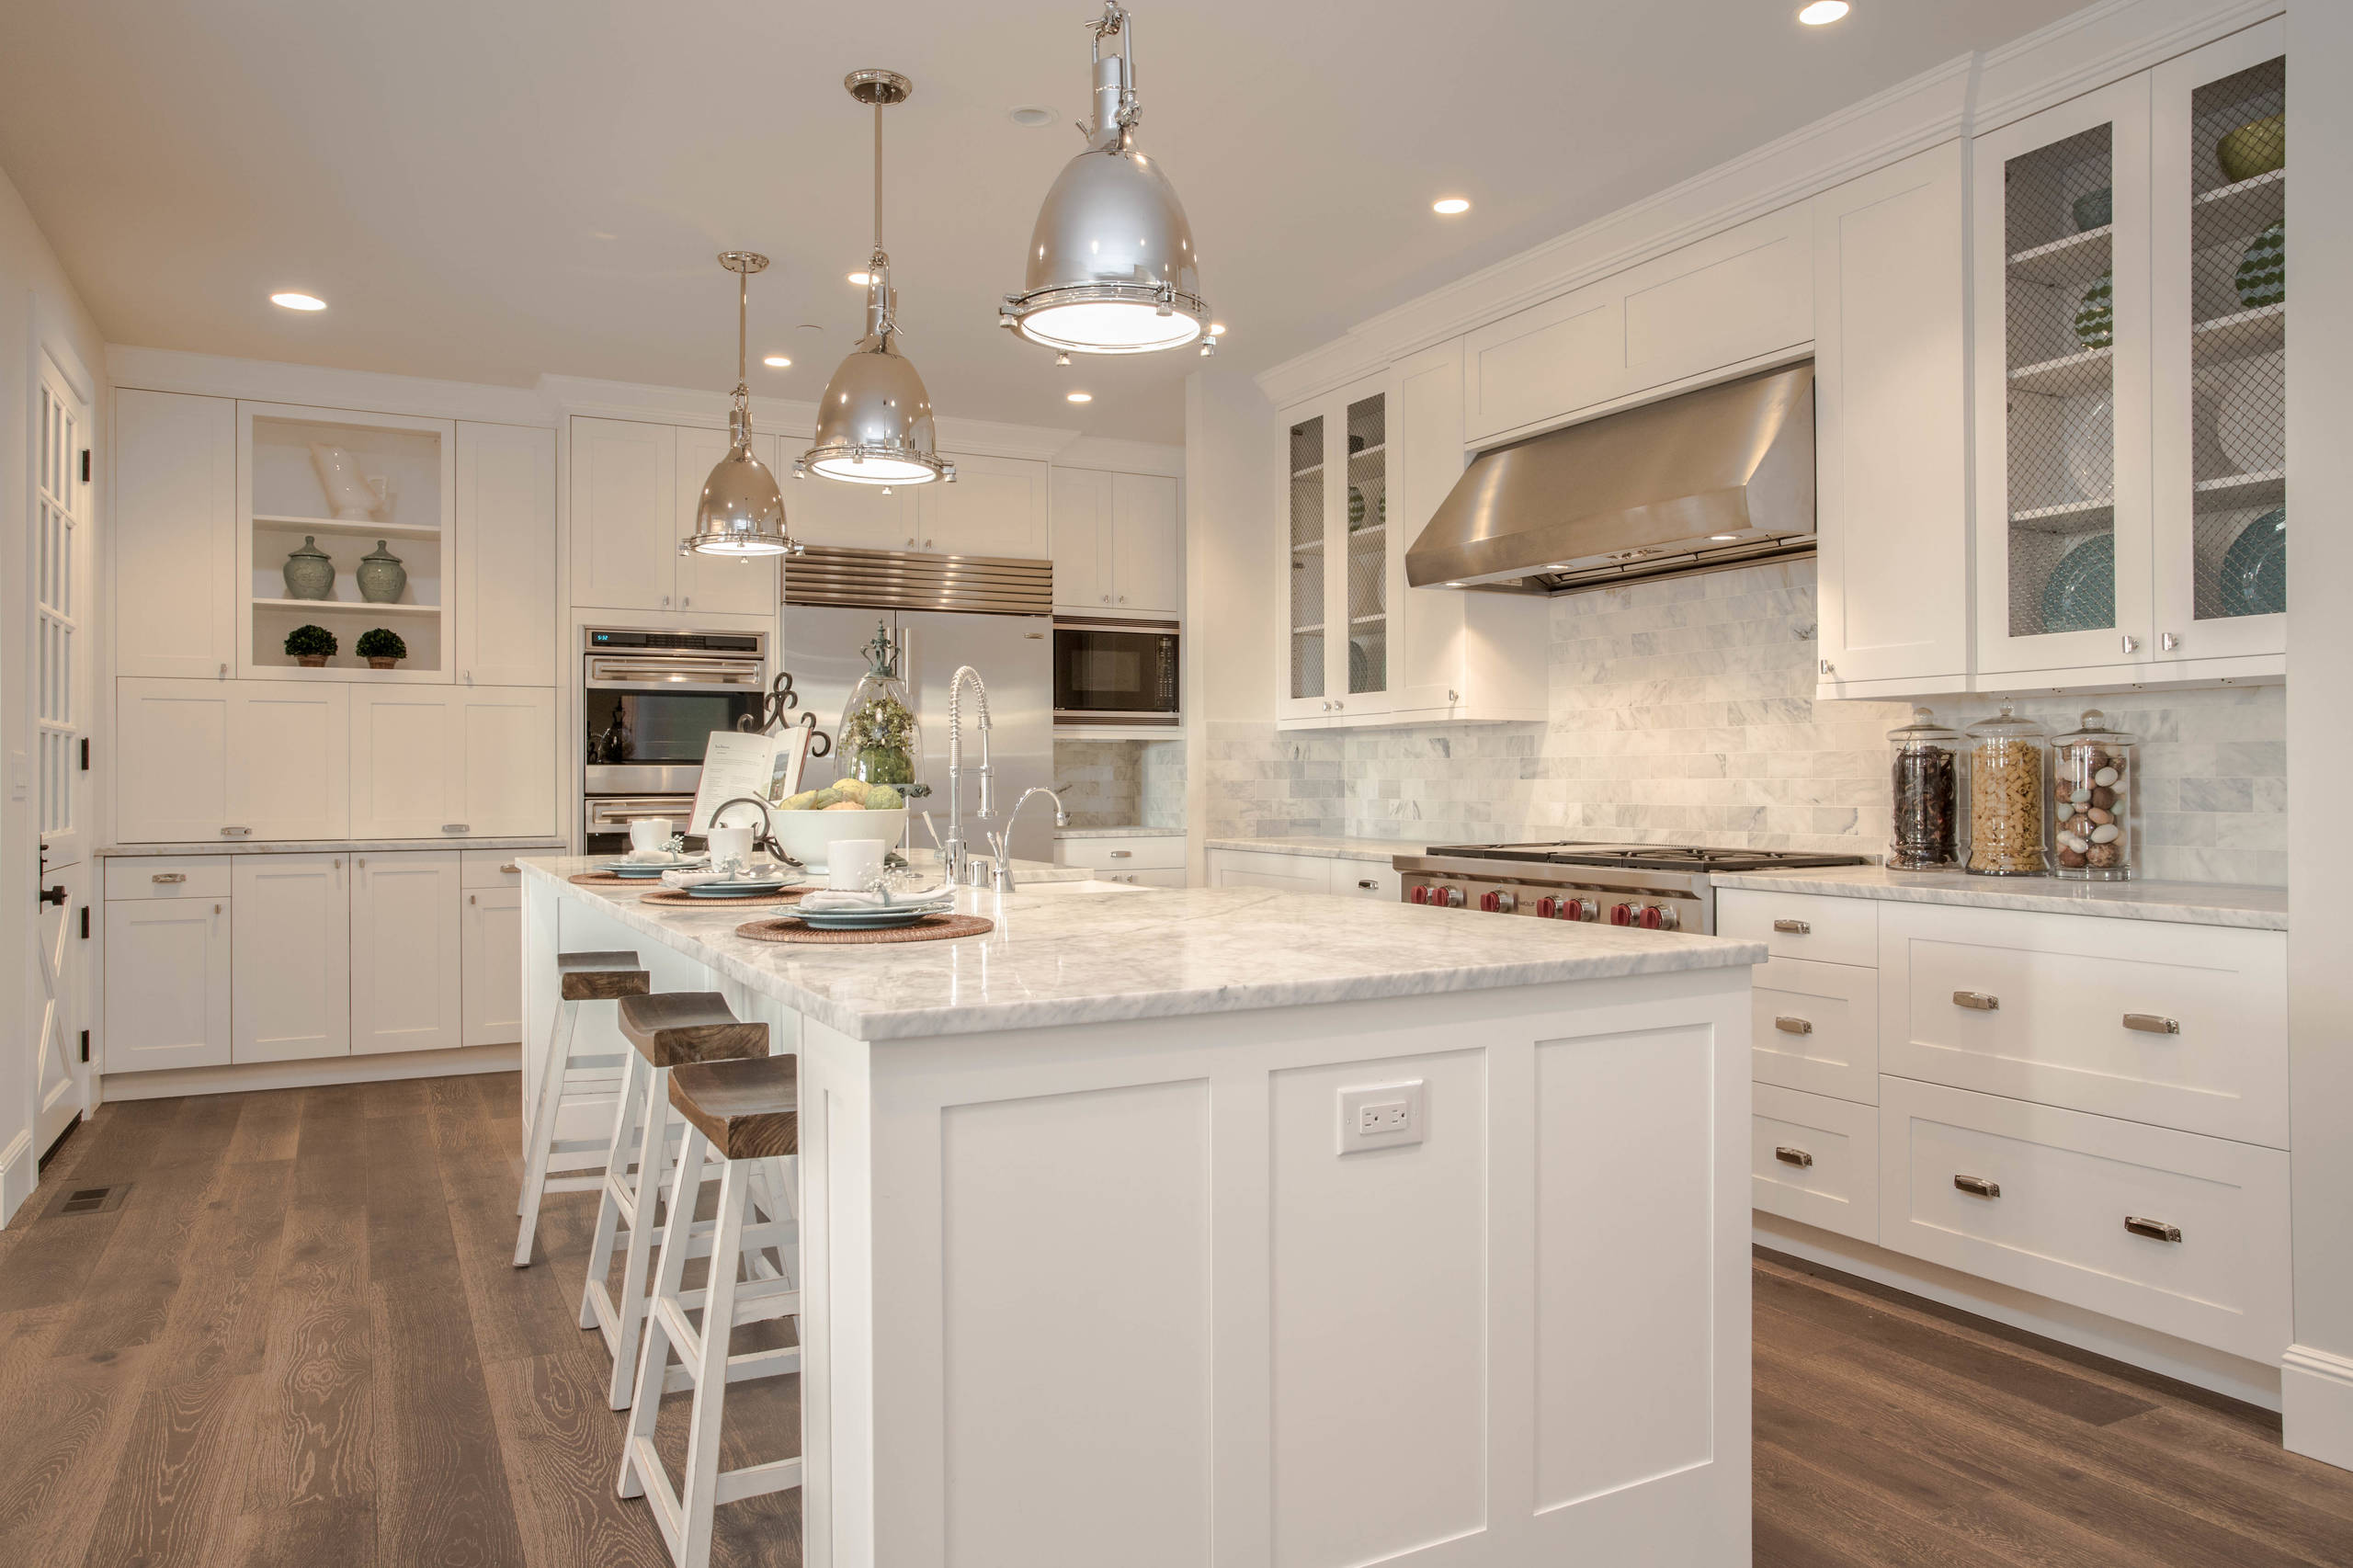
column 1121, row 783
column 1683, row 711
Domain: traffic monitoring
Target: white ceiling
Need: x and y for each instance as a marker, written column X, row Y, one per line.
column 486, row 192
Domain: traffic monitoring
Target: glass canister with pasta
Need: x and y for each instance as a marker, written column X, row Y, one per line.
column 2006, row 793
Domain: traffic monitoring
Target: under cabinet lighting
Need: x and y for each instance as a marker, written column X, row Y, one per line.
column 293, row 301
column 1821, row 13
column 1450, row 205
column 1080, row 397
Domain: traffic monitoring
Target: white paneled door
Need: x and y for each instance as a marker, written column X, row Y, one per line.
column 405, row 947
column 60, row 559
column 291, row 987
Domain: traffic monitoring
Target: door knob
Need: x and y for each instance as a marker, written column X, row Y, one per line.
column 55, row 895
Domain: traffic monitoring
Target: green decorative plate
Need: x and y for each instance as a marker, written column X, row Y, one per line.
column 2262, row 277
column 2095, row 316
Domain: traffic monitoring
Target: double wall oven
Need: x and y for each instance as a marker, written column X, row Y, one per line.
column 649, row 702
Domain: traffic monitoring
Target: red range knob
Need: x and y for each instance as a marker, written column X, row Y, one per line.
column 1547, row 908
column 1621, row 915
column 1580, row 909
column 1491, row 903
column 1419, row 894
column 1649, row 917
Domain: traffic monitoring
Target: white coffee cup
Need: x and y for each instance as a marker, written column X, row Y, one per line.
column 649, row 832
column 729, row 843
column 851, row 863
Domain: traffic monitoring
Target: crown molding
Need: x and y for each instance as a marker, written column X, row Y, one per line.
column 1959, row 98
column 321, row 386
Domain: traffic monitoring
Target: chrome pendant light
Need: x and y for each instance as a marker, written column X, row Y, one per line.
column 874, row 425
column 741, row 513
column 1112, row 269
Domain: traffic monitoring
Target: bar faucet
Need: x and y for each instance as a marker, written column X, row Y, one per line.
column 1001, row 843
column 952, row 852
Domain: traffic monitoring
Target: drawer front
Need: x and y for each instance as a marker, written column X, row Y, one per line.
column 1802, row 925
column 492, row 867
column 1366, row 878
column 160, row 876
column 2205, row 1257
column 1816, row 1029
column 2179, row 1025
column 1153, row 854
column 1258, row 869
column 1146, row 879
column 1815, row 1160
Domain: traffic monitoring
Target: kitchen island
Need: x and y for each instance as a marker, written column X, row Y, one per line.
column 1101, row 1266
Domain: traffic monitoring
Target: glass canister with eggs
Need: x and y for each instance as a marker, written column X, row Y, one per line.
column 2094, row 789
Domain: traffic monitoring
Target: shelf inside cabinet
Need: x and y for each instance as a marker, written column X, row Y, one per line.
column 1314, row 630
column 2069, row 518
column 2243, row 334
column 338, row 528
column 343, row 607
column 2077, row 259
column 2232, row 492
column 2071, row 375
column 1366, row 619
column 1308, row 547
column 2238, row 212
column 1310, row 472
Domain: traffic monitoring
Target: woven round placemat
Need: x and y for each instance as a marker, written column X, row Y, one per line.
column 607, row 880
column 930, row 928
column 679, row 898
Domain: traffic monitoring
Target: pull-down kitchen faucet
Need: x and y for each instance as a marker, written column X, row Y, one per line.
column 1001, row 843
column 952, row 852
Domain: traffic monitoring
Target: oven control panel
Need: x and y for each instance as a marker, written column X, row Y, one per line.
column 1644, row 910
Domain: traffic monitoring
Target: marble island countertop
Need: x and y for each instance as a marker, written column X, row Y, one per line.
column 1118, row 833
column 2188, row 903
column 1324, row 847
column 1101, row 957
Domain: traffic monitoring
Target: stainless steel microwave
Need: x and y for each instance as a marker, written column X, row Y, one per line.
column 1115, row 674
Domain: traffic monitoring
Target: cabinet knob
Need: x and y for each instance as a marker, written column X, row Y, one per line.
column 470, row 898
column 216, row 909
column 1123, row 599
column 2169, row 642
column 928, row 543
column 1107, row 599
column 361, row 862
column 2132, row 644
column 1828, row 668
column 224, row 669
column 685, row 603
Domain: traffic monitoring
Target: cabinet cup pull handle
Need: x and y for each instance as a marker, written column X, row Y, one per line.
column 471, row 899
column 1793, row 927
column 2152, row 1023
column 2155, row 1230
column 455, row 827
column 1979, row 1185
column 168, row 877
column 1122, row 854
column 216, row 909
column 1366, row 882
column 1793, row 1026
column 1789, row 1156
column 236, row 833
column 511, row 869
column 1976, row 1001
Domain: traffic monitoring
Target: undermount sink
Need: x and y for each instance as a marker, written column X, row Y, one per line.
column 1090, row 886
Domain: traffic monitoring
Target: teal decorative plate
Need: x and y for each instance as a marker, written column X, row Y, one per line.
column 646, row 870
column 747, row 889
column 2081, row 595
column 2255, row 569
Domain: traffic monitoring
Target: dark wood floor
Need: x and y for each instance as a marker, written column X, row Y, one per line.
column 298, row 1342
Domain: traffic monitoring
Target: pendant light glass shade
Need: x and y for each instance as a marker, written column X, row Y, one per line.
column 1111, row 266
column 874, row 423
column 740, row 512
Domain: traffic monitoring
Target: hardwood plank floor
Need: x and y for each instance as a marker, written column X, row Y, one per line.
column 299, row 1342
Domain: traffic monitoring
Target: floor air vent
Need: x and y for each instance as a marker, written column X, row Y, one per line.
column 90, row 1200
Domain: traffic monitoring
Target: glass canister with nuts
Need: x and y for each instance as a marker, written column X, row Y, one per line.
column 2094, row 794
column 2006, row 797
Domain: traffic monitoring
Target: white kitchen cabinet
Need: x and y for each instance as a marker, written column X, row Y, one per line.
column 1734, row 297
column 1294, row 871
column 851, row 516
column 718, row 585
column 1118, row 543
column 406, row 951
column 230, row 760
column 471, row 762
column 1115, row 857
column 175, row 535
column 291, row 985
column 1081, row 540
column 1361, row 647
column 624, row 500
column 1815, row 1159
column 490, row 965
column 503, row 588
column 1891, row 424
column 996, row 509
column 168, row 982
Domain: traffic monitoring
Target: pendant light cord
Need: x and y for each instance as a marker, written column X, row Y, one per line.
column 743, row 332
column 878, row 176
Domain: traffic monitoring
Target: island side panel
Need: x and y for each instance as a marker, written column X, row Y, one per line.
column 1132, row 1304
column 839, row 1296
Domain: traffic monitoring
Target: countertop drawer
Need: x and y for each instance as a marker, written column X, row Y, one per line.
column 1262, row 869
column 1365, row 879
column 1153, row 853
column 2178, row 1026
column 162, row 876
column 1815, row 1160
column 1816, row 1029
column 2184, row 1234
column 1802, row 925
column 491, row 867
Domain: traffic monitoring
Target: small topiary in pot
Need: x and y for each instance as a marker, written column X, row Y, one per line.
column 311, row 646
column 381, row 648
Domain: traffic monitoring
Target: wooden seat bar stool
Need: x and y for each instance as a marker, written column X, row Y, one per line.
column 668, row 1029
column 746, row 1114
column 580, row 977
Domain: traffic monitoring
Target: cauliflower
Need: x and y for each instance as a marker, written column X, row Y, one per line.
column 882, row 798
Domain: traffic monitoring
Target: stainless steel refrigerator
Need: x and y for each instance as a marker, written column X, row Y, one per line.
column 821, row 646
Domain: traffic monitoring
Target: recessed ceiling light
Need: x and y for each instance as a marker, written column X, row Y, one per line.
column 862, row 279
column 1821, row 13
column 1080, row 397
column 1217, row 329
column 777, row 362
column 293, row 301
column 1032, row 115
column 1450, row 205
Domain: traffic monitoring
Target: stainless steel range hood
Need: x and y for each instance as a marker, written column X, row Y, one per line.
column 1714, row 478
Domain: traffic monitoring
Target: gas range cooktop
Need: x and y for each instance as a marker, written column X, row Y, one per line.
column 1643, row 857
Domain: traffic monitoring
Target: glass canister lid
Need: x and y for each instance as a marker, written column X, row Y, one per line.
column 2006, row 726
column 1924, row 730
column 2092, row 729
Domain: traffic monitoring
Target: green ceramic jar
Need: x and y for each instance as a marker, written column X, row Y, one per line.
column 308, row 571
column 382, row 576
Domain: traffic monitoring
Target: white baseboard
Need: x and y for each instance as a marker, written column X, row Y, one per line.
column 2316, row 1405
column 20, row 1173
column 2201, row 1366
column 308, row 1075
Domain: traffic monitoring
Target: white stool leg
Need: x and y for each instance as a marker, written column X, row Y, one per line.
column 700, row 1497
column 542, row 1131
column 626, row 1110
column 638, row 1459
column 628, row 1308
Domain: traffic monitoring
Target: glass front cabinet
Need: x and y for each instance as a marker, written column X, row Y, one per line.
column 2132, row 337
column 1339, row 562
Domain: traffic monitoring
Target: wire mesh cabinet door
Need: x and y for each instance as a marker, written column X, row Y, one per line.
column 2219, row 185
column 2063, row 285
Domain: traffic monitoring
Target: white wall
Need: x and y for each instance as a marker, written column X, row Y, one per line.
column 38, row 309
column 1232, row 603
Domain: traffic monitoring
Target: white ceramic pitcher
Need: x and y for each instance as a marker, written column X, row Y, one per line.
column 352, row 497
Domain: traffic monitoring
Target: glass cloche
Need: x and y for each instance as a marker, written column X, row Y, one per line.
column 880, row 741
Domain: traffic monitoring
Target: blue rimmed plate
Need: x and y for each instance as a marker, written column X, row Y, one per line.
column 2255, row 569
column 2081, row 595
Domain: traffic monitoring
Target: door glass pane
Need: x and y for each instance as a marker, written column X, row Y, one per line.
column 1307, row 558
column 1368, row 546
column 56, row 518
column 2238, row 335
column 2057, row 211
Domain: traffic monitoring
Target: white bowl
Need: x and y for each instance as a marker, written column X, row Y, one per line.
column 808, row 836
